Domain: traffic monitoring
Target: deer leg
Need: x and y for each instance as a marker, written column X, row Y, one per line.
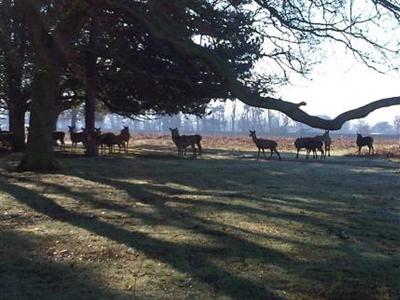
column 263, row 150
column 359, row 150
column 272, row 151
column 373, row 150
column 199, row 146
column 194, row 150
column 297, row 156
column 277, row 153
column 258, row 156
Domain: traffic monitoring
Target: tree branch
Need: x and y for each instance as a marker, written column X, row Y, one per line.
column 158, row 29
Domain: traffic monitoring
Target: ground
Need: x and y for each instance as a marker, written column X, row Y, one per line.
column 150, row 225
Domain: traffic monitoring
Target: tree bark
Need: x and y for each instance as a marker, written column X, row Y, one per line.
column 39, row 155
column 17, row 124
column 90, row 104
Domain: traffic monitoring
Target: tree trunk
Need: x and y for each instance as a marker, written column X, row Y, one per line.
column 74, row 117
column 90, row 104
column 39, row 155
column 17, row 124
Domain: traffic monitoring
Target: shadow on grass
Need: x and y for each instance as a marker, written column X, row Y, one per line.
column 190, row 259
column 24, row 274
column 358, row 270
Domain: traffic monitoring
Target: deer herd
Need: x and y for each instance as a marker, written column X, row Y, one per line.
column 102, row 140
column 320, row 143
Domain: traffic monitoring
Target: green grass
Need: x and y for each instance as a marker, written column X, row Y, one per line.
column 152, row 226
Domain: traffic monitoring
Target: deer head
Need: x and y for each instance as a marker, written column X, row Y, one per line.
column 174, row 131
column 252, row 133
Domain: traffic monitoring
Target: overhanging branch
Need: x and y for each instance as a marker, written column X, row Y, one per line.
column 159, row 29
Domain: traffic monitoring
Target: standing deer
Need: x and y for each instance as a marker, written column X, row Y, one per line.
column 110, row 139
column 326, row 139
column 184, row 141
column 310, row 144
column 263, row 144
column 59, row 136
column 365, row 141
column 77, row 137
column 125, row 136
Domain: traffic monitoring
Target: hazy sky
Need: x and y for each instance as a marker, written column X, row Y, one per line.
column 340, row 83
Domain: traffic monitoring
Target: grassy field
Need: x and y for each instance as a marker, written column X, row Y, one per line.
column 149, row 225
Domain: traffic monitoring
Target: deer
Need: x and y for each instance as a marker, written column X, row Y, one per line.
column 58, row 136
column 365, row 141
column 263, row 144
column 326, row 139
column 126, row 136
column 77, row 137
column 110, row 139
column 310, row 144
column 184, row 141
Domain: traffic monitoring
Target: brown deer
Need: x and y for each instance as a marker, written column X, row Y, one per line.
column 310, row 144
column 77, row 137
column 326, row 139
column 125, row 136
column 365, row 141
column 110, row 139
column 59, row 136
column 263, row 144
column 184, row 141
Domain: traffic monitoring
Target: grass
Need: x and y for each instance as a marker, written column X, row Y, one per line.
column 149, row 225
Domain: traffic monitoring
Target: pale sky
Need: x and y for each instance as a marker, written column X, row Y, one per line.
column 340, row 83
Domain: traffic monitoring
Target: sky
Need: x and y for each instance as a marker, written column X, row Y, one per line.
column 341, row 83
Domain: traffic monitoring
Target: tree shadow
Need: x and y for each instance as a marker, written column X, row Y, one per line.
column 197, row 260
column 25, row 274
column 190, row 259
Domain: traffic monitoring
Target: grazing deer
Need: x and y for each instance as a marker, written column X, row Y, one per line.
column 263, row 144
column 310, row 144
column 77, row 137
column 365, row 141
column 326, row 139
column 125, row 136
column 184, row 141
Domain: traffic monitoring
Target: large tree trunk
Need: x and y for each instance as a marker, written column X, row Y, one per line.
column 17, row 123
column 39, row 155
column 90, row 105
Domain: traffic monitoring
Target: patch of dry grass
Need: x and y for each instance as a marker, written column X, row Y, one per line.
column 149, row 225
